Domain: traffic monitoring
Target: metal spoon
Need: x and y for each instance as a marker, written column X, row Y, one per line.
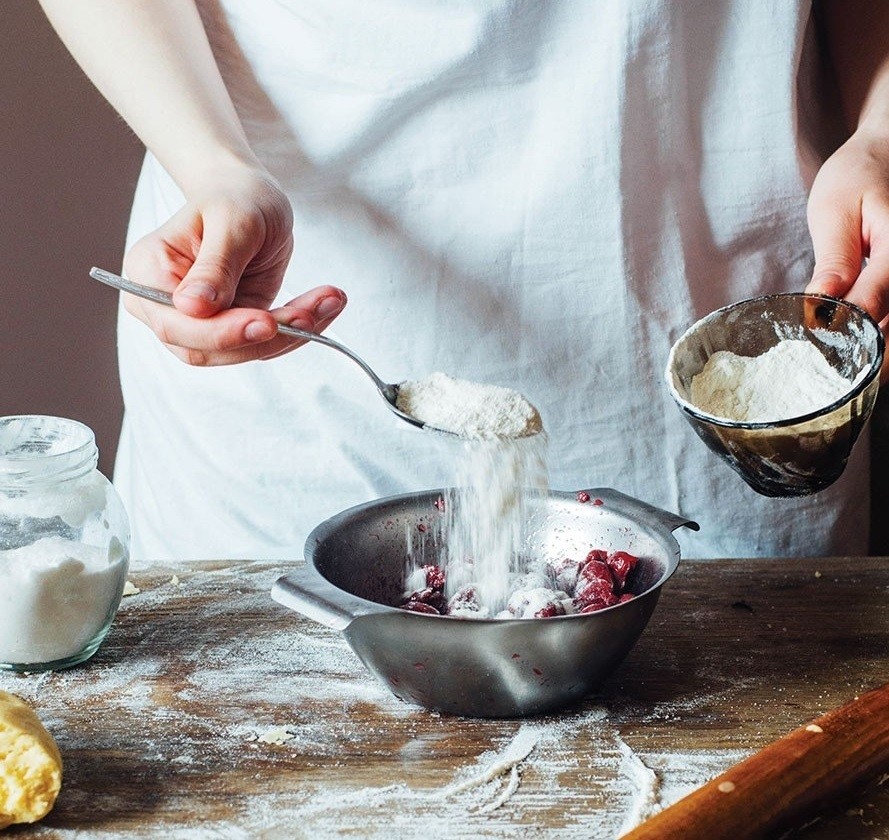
column 388, row 391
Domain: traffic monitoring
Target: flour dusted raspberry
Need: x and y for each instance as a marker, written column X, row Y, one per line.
column 595, row 590
column 539, row 603
column 550, row 610
column 465, row 602
column 533, row 580
column 565, row 573
column 595, row 570
column 420, row 607
column 557, row 588
column 435, row 577
column 593, row 606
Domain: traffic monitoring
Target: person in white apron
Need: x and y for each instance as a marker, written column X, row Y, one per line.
column 541, row 195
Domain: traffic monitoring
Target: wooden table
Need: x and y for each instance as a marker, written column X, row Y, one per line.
column 166, row 731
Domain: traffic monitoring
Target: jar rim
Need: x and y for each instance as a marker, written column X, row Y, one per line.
column 42, row 446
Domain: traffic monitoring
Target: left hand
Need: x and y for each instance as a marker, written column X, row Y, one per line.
column 849, row 221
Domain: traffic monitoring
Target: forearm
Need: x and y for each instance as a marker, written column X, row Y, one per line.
column 857, row 36
column 152, row 61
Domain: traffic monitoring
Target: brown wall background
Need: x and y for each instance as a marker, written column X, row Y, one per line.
column 68, row 167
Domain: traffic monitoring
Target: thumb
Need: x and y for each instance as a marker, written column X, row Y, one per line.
column 225, row 250
column 836, row 238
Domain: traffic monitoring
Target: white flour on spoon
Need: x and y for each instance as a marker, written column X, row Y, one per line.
column 470, row 410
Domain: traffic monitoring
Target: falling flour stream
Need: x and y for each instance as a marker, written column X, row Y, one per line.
column 499, row 461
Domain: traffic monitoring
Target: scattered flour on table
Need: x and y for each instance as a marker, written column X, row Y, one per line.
column 791, row 379
column 295, row 678
column 660, row 779
column 467, row 409
column 647, row 782
column 487, row 798
column 276, row 735
column 516, row 752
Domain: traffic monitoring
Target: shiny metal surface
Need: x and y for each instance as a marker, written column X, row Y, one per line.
column 797, row 456
column 481, row 668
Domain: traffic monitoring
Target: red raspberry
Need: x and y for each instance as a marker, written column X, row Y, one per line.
column 553, row 608
column 435, row 577
column 439, row 504
column 420, row 607
column 594, row 606
column 583, row 497
column 627, row 596
column 465, row 598
column 621, row 564
column 595, row 570
column 597, row 502
column 597, row 554
column 595, row 590
column 432, row 597
column 564, row 573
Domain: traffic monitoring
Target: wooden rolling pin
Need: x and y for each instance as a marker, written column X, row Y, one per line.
column 786, row 783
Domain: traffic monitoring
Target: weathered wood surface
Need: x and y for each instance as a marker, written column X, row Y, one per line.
column 161, row 731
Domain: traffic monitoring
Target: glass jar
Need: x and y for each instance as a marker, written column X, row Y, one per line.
column 64, row 544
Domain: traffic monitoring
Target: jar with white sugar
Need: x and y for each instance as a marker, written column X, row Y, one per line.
column 64, row 544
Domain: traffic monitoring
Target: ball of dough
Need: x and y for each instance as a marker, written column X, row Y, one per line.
column 30, row 764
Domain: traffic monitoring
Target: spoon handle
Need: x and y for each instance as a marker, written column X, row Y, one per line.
column 159, row 296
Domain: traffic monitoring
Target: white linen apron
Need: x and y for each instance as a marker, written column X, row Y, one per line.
column 541, row 195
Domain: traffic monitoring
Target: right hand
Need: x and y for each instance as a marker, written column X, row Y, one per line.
column 223, row 257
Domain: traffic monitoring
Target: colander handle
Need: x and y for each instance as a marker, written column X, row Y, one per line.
column 309, row 594
column 645, row 511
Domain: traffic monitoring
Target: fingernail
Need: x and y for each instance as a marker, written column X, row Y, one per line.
column 201, row 291
column 329, row 306
column 259, row 331
column 303, row 323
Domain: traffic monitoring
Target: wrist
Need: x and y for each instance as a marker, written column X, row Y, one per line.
column 873, row 118
column 203, row 171
column 871, row 139
column 874, row 123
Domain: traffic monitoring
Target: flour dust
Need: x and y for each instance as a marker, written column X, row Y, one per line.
column 486, row 515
